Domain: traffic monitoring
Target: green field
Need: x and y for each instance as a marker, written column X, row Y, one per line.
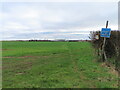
column 53, row 65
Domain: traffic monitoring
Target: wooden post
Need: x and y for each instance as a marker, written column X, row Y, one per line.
column 106, row 24
column 104, row 57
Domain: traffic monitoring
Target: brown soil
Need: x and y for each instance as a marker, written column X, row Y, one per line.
column 18, row 57
column 26, row 57
column 111, row 68
column 6, row 49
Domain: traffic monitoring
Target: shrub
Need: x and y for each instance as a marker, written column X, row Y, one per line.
column 112, row 45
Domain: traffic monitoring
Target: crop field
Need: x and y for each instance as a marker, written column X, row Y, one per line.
column 54, row 65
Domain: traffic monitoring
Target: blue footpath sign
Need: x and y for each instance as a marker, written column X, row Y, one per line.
column 105, row 32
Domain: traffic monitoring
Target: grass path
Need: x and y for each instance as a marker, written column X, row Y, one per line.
column 91, row 73
column 54, row 65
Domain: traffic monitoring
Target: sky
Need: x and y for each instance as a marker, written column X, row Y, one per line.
column 55, row 20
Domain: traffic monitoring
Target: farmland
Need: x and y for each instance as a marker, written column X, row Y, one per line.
column 54, row 65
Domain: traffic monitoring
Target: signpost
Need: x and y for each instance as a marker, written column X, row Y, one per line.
column 105, row 32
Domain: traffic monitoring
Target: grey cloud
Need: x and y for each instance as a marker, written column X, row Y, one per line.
column 71, row 15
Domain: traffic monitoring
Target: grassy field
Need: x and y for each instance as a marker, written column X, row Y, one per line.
column 54, row 65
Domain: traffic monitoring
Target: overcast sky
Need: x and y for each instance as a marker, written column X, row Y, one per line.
column 55, row 20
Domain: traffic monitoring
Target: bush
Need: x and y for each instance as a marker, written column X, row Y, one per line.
column 112, row 46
